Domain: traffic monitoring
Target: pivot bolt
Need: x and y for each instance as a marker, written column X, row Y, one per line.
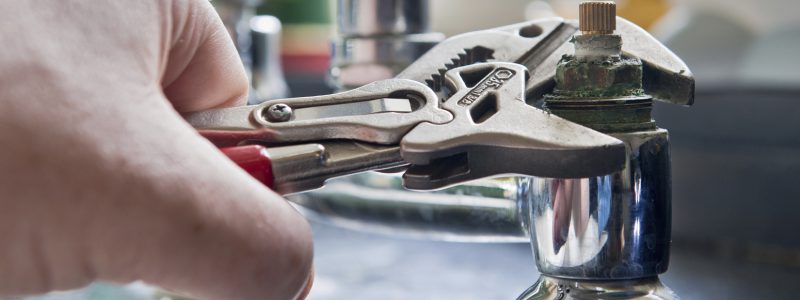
column 278, row 113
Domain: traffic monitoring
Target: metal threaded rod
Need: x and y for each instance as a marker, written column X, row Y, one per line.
column 598, row 17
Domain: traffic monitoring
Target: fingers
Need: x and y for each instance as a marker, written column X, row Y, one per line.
column 203, row 69
column 218, row 233
column 119, row 197
column 185, row 218
column 106, row 182
column 229, row 237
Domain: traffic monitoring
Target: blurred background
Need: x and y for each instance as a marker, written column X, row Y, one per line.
column 735, row 153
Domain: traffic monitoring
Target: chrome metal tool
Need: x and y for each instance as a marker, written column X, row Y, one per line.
column 439, row 117
column 400, row 122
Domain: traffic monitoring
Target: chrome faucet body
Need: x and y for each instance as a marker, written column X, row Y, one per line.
column 602, row 235
column 615, row 228
column 608, row 227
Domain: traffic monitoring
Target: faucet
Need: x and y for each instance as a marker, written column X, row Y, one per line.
column 596, row 237
column 602, row 237
column 257, row 38
column 377, row 39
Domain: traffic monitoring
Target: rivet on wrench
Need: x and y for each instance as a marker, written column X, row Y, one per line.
column 278, row 113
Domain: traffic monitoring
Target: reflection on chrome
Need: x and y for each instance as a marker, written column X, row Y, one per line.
column 550, row 288
column 608, row 227
column 569, row 219
column 589, row 234
column 479, row 211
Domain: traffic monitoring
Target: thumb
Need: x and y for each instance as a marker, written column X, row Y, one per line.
column 214, row 231
column 195, row 223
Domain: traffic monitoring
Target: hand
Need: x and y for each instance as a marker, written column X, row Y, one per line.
column 101, row 179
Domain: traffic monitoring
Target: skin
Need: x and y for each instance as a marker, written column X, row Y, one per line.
column 100, row 177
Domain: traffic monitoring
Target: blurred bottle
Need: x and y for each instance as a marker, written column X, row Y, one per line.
column 304, row 44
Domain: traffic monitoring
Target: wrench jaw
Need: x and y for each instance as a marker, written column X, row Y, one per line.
column 495, row 132
column 539, row 45
column 513, row 43
column 665, row 76
column 483, row 162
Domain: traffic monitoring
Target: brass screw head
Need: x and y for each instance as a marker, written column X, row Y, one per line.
column 597, row 17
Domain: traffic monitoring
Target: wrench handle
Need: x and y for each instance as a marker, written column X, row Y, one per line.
column 254, row 159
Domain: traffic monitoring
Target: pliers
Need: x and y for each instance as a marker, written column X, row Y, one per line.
column 456, row 114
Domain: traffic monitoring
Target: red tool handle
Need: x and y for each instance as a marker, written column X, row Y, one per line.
column 254, row 159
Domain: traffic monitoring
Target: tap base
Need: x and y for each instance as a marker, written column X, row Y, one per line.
column 553, row 288
column 613, row 227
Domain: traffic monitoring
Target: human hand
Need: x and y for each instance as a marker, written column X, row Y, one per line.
column 101, row 179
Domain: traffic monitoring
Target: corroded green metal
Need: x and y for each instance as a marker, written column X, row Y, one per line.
column 612, row 77
column 599, row 88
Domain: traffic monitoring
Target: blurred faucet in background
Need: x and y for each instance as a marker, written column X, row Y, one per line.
column 377, row 39
column 257, row 39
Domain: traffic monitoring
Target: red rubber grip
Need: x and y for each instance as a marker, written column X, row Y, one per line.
column 254, row 160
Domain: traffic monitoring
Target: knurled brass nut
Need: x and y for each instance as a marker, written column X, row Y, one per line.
column 597, row 17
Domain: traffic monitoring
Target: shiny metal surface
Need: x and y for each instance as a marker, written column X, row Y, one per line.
column 257, row 38
column 491, row 121
column 550, row 288
column 362, row 266
column 609, row 227
column 377, row 39
column 390, row 50
column 303, row 167
column 488, row 210
column 445, row 143
column 278, row 112
column 267, row 73
column 382, row 17
column 386, row 127
column 360, row 60
column 665, row 76
column 382, row 127
column 613, row 227
column 517, row 43
column 382, row 105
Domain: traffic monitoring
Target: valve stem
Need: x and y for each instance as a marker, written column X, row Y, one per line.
column 597, row 17
column 598, row 87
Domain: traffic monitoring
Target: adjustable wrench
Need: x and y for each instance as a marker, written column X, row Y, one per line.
column 483, row 129
column 449, row 117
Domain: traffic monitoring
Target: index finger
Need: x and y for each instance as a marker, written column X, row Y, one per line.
column 203, row 69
